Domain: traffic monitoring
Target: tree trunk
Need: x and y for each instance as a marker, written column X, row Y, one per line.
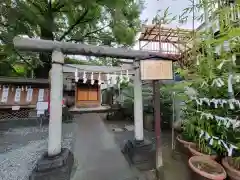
column 42, row 71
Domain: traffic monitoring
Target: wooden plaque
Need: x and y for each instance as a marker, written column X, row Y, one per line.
column 156, row 69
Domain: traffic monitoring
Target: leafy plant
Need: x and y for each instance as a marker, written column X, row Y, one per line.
column 212, row 63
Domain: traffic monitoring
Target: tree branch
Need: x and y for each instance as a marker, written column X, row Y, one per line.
column 37, row 6
column 74, row 25
column 11, row 66
column 89, row 33
column 81, row 39
column 4, row 25
column 58, row 6
column 97, row 30
column 20, row 56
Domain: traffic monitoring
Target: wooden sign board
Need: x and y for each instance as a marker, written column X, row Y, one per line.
column 156, row 70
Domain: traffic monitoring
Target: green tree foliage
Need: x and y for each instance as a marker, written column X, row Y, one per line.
column 105, row 22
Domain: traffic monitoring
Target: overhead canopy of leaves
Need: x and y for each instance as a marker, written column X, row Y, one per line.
column 107, row 22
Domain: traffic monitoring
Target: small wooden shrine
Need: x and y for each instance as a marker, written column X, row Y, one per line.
column 17, row 93
column 86, row 82
column 88, row 94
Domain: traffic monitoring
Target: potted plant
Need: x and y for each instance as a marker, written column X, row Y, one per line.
column 202, row 149
column 187, row 136
column 232, row 167
column 205, row 168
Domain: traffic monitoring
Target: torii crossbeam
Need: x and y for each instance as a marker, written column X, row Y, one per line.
column 39, row 45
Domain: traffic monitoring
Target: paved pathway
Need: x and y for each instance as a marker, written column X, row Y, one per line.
column 97, row 156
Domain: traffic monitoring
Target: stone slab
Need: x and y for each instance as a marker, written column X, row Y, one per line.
column 96, row 153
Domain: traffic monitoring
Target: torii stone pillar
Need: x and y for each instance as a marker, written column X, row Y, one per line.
column 56, row 96
column 138, row 106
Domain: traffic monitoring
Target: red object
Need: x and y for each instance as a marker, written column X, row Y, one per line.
column 49, row 103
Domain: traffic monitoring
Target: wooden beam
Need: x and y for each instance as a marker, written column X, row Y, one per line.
column 38, row 45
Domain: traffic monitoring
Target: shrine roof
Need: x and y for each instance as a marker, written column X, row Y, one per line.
column 22, row 80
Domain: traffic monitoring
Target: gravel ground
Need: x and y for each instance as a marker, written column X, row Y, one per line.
column 20, row 149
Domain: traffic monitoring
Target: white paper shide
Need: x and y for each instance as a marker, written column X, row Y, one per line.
column 29, row 94
column 41, row 95
column 5, row 92
column 17, row 96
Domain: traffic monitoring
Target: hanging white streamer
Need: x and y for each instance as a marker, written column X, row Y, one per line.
column 234, row 58
column 99, row 79
column 17, row 97
column 221, row 64
column 121, row 78
column 127, row 76
column 29, row 95
column 230, row 86
column 226, row 46
column 216, row 25
column 237, row 78
column 229, row 148
column 231, row 102
column 212, row 138
column 223, row 102
column 108, row 79
column 215, row 102
column 41, row 95
column 218, row 82
column 114, row 78
column 198, row 61
column 92, row 80
column 84, row 77
column 201, row 134
column 221, row 120
column 5, row 92
column 76, row 75
column 204, row 84
column 218, row 49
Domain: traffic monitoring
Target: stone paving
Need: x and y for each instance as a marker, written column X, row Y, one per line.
column 96, row 153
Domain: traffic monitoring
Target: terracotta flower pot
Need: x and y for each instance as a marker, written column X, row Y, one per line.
column 182, row 145
column 193, row 150
column 233, row 173
column 204, row 168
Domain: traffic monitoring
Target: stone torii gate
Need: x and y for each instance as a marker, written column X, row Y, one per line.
column 58, row 49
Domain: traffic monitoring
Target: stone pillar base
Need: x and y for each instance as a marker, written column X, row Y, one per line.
column 54, row 168
column 141, row 154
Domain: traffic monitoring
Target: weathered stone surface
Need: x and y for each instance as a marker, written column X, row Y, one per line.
column 48, row 163
column 97, row 155
column 57, row 168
